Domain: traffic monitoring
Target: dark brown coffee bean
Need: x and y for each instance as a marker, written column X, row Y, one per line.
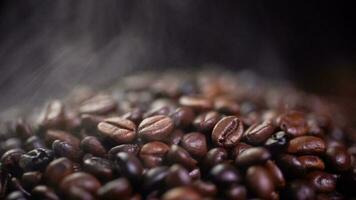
column 300, row 190
column 152, row 154
column 53, row 116
column 214, row 157
column 196, row 103
column 158, row 127
column 177, row 176
column 293, row 123
column 260, row 182
column 10, row 161
column 206, row 189
column 160, row 108
column 52, row 135
column 182, row 193
column 224, row 174
column 116, row 188
column 195, row 174
column 183, row 117
column 44, row 192
column 259, row 133
column 252, row 156
column 129, row 166
column 180, row 156
column 33, row 142
column 128, row 148
column 78, row 193
column 175, row 137
column 118, row 129
column 226, row 106
column 154, row 178
column 90, row 122
column 80, row 180
column 330, row 196
column 15, row 184
column 99, row 167
column 16, row 195
column 135, row 115
column 306, row 145
column 239, row 148
column 237, row 192
column 322, row 181
column 290, row 164
column 64, row 149
column 338, row 157
column 57, row 170
column 205, row 122
column 195, row 143
column 31, row 179
column 311, row 162
column 36, row 159
column 100, row 104
column 277, row 142
column 276, row 174
column 92, row 145
column 23, row 129
column 227, row 132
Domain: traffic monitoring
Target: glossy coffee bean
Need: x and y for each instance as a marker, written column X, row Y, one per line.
column 311, row 162
column 36, row 159
column 277, row 141
column 154, row 178
column 236, row 192
column 338, row 158
column 31, row 179
column 99, row 167
column 10, row 161
column 195, row 143
column 177, row 154
column 135, row 115
column 183, row 117
column 214, row 157
column 322, row 181
column 260, row 182
column 92, row 145
column 128, row 148
column 290, row 164
column 156, row 127
column 33, row 142
column 129, row 166
column 205, row 122
column 118, row 129
column 64, row 149
column 53, row 115
column 276, row 174
column 239, row 148
column 252, row 156
column 177, row 176
column 52, row 135
column 205, row 188
column 293, row 123
column 175, row 137
column 80, row 180
column 259, row 133
column 224, row 174
column 116, row 188
column 16, row 195
column 182, row 193
column 44, row 192
column 306, row 145
column 57, row 170
column 196, row 103
column 195, row 173
column 300, row 190
column 227, row 132
column 152, row 154
column 100, row 104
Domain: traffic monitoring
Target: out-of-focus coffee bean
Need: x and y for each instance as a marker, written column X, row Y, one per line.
column 154, row 178
column 99, row 167
column 53, row 115
column 152, row 154
column 214, row 157
column 36, row 159
column 33, row 142
column 157, row 127
column 293, row 123
column 205, row 122
column 330, row 196
column 116, row 188
column 64, row 149
column 31, row 179
column 196, row 103
column 237, row 192
column 195, row 143
column 224, row 174
column 80, row 180
column 226, row 106
column 306, row 145
column 135, row 115
column 78, row 193
column 177, row 176
column 322, row 181
column 195, row 174
column 276, row 174
column 129, row 166
column 16, row 195
column 92, row 145
column 118, row 129
column 252, row 156
column 260, row 182
column 182, row 193
column 100, row 104
column 259, row 133
column 183, row 117
column 128, row 148
column 23, row 129
column 10, row 161
column 277, row 142
column 239, row 148
column 90, row 122
column 175, row 137
column 44, row 192
column 311, row 162
column 338, row 158
column 300, row 190
column 177, row 154
column 10, row 143
column 57, row 170
column 227, row 132
column 206, row 189
column 52, row 135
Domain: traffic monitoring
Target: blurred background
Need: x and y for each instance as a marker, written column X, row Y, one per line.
column 47, row 47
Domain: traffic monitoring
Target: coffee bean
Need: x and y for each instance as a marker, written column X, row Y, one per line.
column 80, row 180
column 236, row 192
column 64, row 149
column 226, row 106
column 53, row 115
column 152, row 154
column 205, row 122
column 31, row 179
column 90, row 122
column 23, row 129
column 92, row 145
column 128, row 148
column 135, row 115
column 182, row 193
column 183, row 117
column 311, row 162
column 99, row 167
column 300, row 190
column 252, row 156
column 79, row 193
column 100, row 104
column 277, row 142
column 154, row 178
column 10, row 161
column 52, row 135
column 206, row 189
column 36, row 159
column 33, row 142
column 118, row 129
column 328, row 196
column 259, row 133
column 239, row 148
column 306, row 145
column 260, row 182
column 177, row 176
column 290, row 164
column 276, row 174
column 129, row 166
column 195, row 174
column 180, row 156
column 293, row 123
column 10, row 143
column 57, row 170
column 44, row 192
column 116, row 188
column 214, row 157
column 195, row 143
column 224, row 174
column 16, row 195
column 175, row 137
column 227, row 132
column 157, row 127
column 322, row 181
column 196, row 103
column 339, row 158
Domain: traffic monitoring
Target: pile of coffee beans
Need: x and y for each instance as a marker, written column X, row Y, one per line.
column 180, row 136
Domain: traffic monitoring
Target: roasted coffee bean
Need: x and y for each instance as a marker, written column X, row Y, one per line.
column 196, row 103
column 227, row 132
column 183, row 117
column 57, row 170
column 239, row 148
column 10, row 143
column 80, row 180
column 206, row 189
column 224, row 174
column 252, row 156
column 154, row 178
column 128, row 148
column 226, row 106
column 338, row 158
column 277, row 141
column 293, row 123
column 300, row 190
column 236, row 192
column 135, row 115
column 64, row 149
column 177, row 176
column 53, row 115
column 152, row 154
column 129, row 166
column 195, row 143
column 99, row 167
column 205, row 122
column 311, row 162
column 195, row 174
column 16, row 195
column 44, row 192
column 259, row 133
column 10, row 161
column 214, row 157
column 52, row 135
column 290, row 164
column 33, row 142
column 31, row 179
column 92, row 145
column 78, row 194
column 36, row 159
column 182, row 193
column 276, row 174
column 260, row 182
column 90, row 122
column 177, row 154
column 23, row 129
column 175, row 137
column 100, row 104
column 322, row 181
column 116, row 188
column 156, row 127
column 16, row 185
column 306, row 145
column 118, row 129
column 330, row 196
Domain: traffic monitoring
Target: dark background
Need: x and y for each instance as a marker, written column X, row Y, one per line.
column 47, row 47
